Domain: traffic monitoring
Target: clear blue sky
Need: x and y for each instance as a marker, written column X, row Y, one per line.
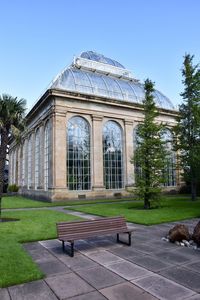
column 149, row 37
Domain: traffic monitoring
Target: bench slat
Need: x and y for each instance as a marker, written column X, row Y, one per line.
column 76, row 230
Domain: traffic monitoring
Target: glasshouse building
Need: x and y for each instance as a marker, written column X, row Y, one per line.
column 80, row 135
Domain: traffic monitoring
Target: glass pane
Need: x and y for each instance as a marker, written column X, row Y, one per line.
column 112, row 156
column 78, row 154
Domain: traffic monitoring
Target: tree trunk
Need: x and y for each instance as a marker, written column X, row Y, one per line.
column 3, row 148
column 146, row 201
column 193, row 190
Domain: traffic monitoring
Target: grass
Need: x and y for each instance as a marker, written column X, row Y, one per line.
column 22, row 202
column 16, row 266
column 172, row 209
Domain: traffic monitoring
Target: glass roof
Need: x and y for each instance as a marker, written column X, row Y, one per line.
column 101, row 58
column 98, row 84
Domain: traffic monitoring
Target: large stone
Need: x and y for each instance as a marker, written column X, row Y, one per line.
column 196, row 234
column 178, row 233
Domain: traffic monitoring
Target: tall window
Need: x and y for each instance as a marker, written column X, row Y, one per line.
column 23, row 163
column 78, row 154
column 29, row 162
column 37, row 157
column 137, row 168
column 46, row 155
column 113, row 156
column 170, row 168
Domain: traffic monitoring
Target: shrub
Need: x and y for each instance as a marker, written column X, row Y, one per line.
column 13, row 188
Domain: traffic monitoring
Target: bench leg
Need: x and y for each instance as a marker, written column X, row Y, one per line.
column 72, row 249
column 63, row 246
column 129, row 239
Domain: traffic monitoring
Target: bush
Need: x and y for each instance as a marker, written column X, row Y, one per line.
column 13, row 188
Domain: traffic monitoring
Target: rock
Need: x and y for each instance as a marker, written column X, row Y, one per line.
column 186, row 243
column 165, row 239
column 178, row 233
column 196, row 234
column 182, row 244
column 177, row 243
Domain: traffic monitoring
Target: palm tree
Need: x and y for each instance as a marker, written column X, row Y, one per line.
column 12, row 113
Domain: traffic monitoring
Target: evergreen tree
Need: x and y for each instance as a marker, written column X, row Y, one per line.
column 11, row 123
column 149, row 155
column 188, row 128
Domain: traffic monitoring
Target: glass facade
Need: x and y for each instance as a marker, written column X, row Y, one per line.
column 46, row 155
column 37, row 157
column 29, row 161
column 78, row 154
column 23, row 163
column 113, row 156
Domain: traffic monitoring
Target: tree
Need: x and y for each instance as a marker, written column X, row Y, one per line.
column 188, row 127
column 149, row 155
column 11, row 123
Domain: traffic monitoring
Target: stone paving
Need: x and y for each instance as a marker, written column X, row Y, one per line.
column 149, row 269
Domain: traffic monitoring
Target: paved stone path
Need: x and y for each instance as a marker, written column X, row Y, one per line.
column 102, row 269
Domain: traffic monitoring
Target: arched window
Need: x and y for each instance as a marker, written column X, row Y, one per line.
column 113, row 156
column 136, row 139
column 78, row 154
column 23, row 163
column 170, row 168
column 29, row 162
column 46, row 154
column 37, row 157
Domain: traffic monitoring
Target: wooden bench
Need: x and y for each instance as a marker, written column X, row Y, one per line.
column 78, row 230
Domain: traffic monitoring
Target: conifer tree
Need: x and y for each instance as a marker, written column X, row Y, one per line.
column 188, row 128
column 150, row 153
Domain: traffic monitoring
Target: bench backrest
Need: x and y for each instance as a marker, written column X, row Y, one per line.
column 80, row 228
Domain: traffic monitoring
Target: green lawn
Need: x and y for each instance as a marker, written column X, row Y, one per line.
column 16, row 266
column 172, row 209
column 22, row 202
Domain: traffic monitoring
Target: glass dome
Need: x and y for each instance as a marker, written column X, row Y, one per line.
column 100, row 58
column 110, row 85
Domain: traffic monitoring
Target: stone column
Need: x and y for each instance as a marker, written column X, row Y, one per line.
column 59, row 150
column 97, row 153
column 129, row 153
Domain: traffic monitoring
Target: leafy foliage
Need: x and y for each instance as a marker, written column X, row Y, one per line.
column 150, row 153
column 11, row 123
column 188, row 128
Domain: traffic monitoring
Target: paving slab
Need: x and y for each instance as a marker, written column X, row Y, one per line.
column 163, row 288
column 68, row 285
column 125, row 252
column 128, row 270
column 41, row 255
column 145, row 248
column 193, row 266
column 193, row 255
column 183, row 276
column 126, row 291
column 172, row 257
column 33, row 246
column 51, row 243
column 104, row 257
column 100, row 277
column 34, row 290
column 53, row 267
column 150, row 263
column 90, row 296
column 4, row 295
column 77, row 262
column 195, row 297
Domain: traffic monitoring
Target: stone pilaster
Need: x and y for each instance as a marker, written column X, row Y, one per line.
column 59, row 150
column 129, row 153
column 97, row 153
